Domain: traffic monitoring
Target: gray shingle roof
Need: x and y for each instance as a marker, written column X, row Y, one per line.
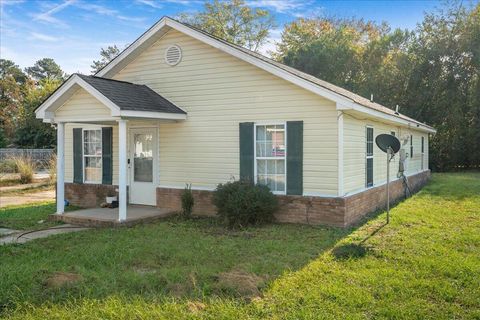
column 129, row 96
column 341, row 91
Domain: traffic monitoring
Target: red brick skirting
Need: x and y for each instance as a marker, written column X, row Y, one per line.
column 362, row 203
column 335, row 211
column 88, row 195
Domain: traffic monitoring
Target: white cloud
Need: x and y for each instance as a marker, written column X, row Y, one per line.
column 4, row 3
column 96, row 8
column 105, row 11
column 48, row 15
column 150, row 3
column 281, row 6
column 43, row 37
column 184, row 2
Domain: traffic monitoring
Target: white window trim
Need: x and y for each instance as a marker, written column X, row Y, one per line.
column 83, row 155
column 369, row 157
column 271, row 123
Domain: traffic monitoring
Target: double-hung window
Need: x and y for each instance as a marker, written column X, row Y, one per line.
column 92, row 156
column 369, row 157
column 411, row 146
column 270, row 156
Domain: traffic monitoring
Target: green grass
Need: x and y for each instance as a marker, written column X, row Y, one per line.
column 424, row 264
column 26, row 217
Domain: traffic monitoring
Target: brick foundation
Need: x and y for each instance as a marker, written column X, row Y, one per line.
column 88, row 195
column 358, row 205
column 335, row 211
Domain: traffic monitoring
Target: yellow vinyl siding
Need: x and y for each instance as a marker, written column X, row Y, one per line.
column 69, row 150
column 354, row 152
column 82, row 105
column 219, row 91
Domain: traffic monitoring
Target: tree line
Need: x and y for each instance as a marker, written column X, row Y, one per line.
column 432, row 72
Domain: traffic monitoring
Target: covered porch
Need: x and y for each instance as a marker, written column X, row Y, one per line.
column 101, row 126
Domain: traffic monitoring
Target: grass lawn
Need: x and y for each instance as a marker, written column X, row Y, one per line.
column 26, row 217
column 425, row 264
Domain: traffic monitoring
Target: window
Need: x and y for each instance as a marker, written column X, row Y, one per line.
column 270, row 156
column 369, row 157
column 92, row 156
column 423, row 152
column 411, row 146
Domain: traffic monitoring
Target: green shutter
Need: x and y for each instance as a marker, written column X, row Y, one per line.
column 246, row 151
column 295, row 157
column 107, row 161
column 77, row 156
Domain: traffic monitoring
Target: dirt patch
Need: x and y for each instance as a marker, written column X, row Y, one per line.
column 62, row 279
column 25, row 198
column 240, row 283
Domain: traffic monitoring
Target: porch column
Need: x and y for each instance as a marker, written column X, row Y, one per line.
column 122, row 170
column 60, row 167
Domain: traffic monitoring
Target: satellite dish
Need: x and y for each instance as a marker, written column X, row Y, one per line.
column 390, row 145
column 385, row 141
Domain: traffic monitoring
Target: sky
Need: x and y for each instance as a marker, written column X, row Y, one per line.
column 73, row 31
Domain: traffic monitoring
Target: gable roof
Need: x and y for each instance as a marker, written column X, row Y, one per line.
column 346, row 100
column 130, row 96
column 124, row 99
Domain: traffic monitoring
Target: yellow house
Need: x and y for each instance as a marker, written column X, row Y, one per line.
column 180, row 106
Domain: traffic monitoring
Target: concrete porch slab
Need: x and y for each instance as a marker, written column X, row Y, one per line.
column 106, row 217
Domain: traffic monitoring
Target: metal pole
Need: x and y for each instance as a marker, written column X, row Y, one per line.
column 388, row 185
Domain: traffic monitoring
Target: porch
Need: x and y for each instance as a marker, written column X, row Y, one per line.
column 106, row 217
column 107, row 135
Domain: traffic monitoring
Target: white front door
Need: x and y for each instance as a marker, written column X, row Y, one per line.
column 143, row 164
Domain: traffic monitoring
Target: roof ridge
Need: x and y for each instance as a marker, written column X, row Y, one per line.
column 97, row 77
column 301, row 74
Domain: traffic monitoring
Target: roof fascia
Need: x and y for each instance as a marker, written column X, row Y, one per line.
column 105, row 72
column 153, row 115
column 384, row 116
column 342, row 101
column 45, row 110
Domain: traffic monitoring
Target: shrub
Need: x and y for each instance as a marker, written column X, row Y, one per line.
column 8, row 166
column 241, row 203
column 26, row 168
column 187, row 201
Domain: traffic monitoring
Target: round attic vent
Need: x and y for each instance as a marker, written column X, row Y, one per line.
column 173, row 55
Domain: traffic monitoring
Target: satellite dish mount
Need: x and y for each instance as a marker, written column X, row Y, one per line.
column 390, row 145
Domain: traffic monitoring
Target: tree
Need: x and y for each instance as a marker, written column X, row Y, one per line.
column 12, row 80
column 32, row 132
column 9, row 68
column 45, row 68
column 234, row 22
column 107, row 55
column 433, row 72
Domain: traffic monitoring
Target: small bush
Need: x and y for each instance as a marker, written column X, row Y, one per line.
column 26, row 168
column 187, row 201
column 8, row 166
column 240, row 203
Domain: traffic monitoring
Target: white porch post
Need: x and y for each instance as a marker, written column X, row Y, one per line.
column 122, row 170
column 60, row 167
